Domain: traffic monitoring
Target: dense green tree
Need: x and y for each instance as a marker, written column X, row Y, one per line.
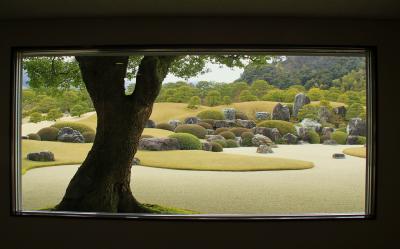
column 77, row 110
column 102, row 182
column 46, row 103
column 246, row 95
column 259, row 88
column 35, row 117
column 213, row 98
column 227, row 100
column 194, row 102
column 54, row 114
column 315, row 94
column 355, row 110
column 274, row 95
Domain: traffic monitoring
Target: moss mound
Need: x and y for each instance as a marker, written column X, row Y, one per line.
column 283, row 126
column 165, row 126
column 193, row 129
column 187, row 141
column 339, row 136
column 211, row 114
column 48, row 133
column 228, row 135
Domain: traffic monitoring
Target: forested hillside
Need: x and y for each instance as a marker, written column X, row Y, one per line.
column 309, row 71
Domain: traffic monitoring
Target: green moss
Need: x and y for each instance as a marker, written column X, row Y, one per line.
column 211, row 114
column 283, row 126
column 187, row 141
column 165, row 126
column 313, row 137
column 227, row 135
column 231, row 143
column 216, row 147
column 89, row 136
column 246, row 139
column 239, row 130
column 222, row 129
column 339, row 136
column 361, row 140
column 48, row 133
column 193, row 129
column 34, row 136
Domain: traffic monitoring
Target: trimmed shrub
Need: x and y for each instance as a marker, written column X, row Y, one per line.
column 89, row 136
column 216, row 147
column 211, row 114
column 74, row 125
column 241, row 115
column 239, row 130
column 221, row 142
column 222, row 129
column 77, row 110
column 208, row 121
column 246, row 139
column 228, row 135
column 339, row 136
column 187, row 141
column 313, row 137
column 361, row 140
column 33, row 136
column 231, row 143
column 193, row 129
column 165, row 126
column 205, row 125
column 48, row 133
column 290, row 106
column 54, row 114
column 35, row 117
column 283, row 126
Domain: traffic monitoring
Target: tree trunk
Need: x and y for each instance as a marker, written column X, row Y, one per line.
column 102, row 182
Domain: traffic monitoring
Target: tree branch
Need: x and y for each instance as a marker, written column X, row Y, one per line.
column 151, row 73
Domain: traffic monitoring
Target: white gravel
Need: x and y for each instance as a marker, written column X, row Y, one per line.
column 332, row 186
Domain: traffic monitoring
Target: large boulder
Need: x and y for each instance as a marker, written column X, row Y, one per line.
column 150, row 124
column 324, row 114
column 338, row 156
column 357, row 127
column 326, row 133
column 259, row 139
column 249, row 124
column 158, row 144
column 352, row 140
column 340, row 110
column 174, row 123
column 281, row 112
column 192, row 120
column 69, row 135
column 263, row 115
column 264, row 149
column 43, row 156
column 207, row 146
column 211, row 138
column 290, row 138
column 301, row 132
column 311, row 124
column 272, row 133
column 229, row 113
column 299, row 101
column 224, row 124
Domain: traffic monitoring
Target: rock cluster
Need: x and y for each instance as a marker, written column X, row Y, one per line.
column 43, row 156
column 281, row 112
column 158, row 144
column 69, row 135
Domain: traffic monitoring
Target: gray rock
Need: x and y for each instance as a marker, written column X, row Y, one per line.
column 338, row 156
column 211, row 138
column 357, row 127
column 136, row 161
column 301, row 132
column 150, row 124
column 281, row 112
column 299, row 101
column 43, row 156
column 340, row 110
column 69, row 135
column 158, row 144
column 259, row 139
column 263, row 115
column 326, row 133
column 249, row 124
column 330, row 142
column 352, row 140
column 262, row 130
column 238, row 140
column 290, row 138
column 210, row 131
column 229, row 113
column 207, row 146
column 174, row 123
column 274, row 134
column 191, row 120
column 264, row 149
column 324, row 114
column 224, row 123
column 311, row 124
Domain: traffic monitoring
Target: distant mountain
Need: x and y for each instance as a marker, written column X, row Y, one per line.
column 308, row 71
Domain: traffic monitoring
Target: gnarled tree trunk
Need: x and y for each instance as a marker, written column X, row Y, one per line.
column 102, row 182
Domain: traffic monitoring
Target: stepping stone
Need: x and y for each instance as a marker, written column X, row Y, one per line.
column 338, row 156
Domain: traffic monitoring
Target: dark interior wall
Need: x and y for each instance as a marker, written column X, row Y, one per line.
column 52, row 232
